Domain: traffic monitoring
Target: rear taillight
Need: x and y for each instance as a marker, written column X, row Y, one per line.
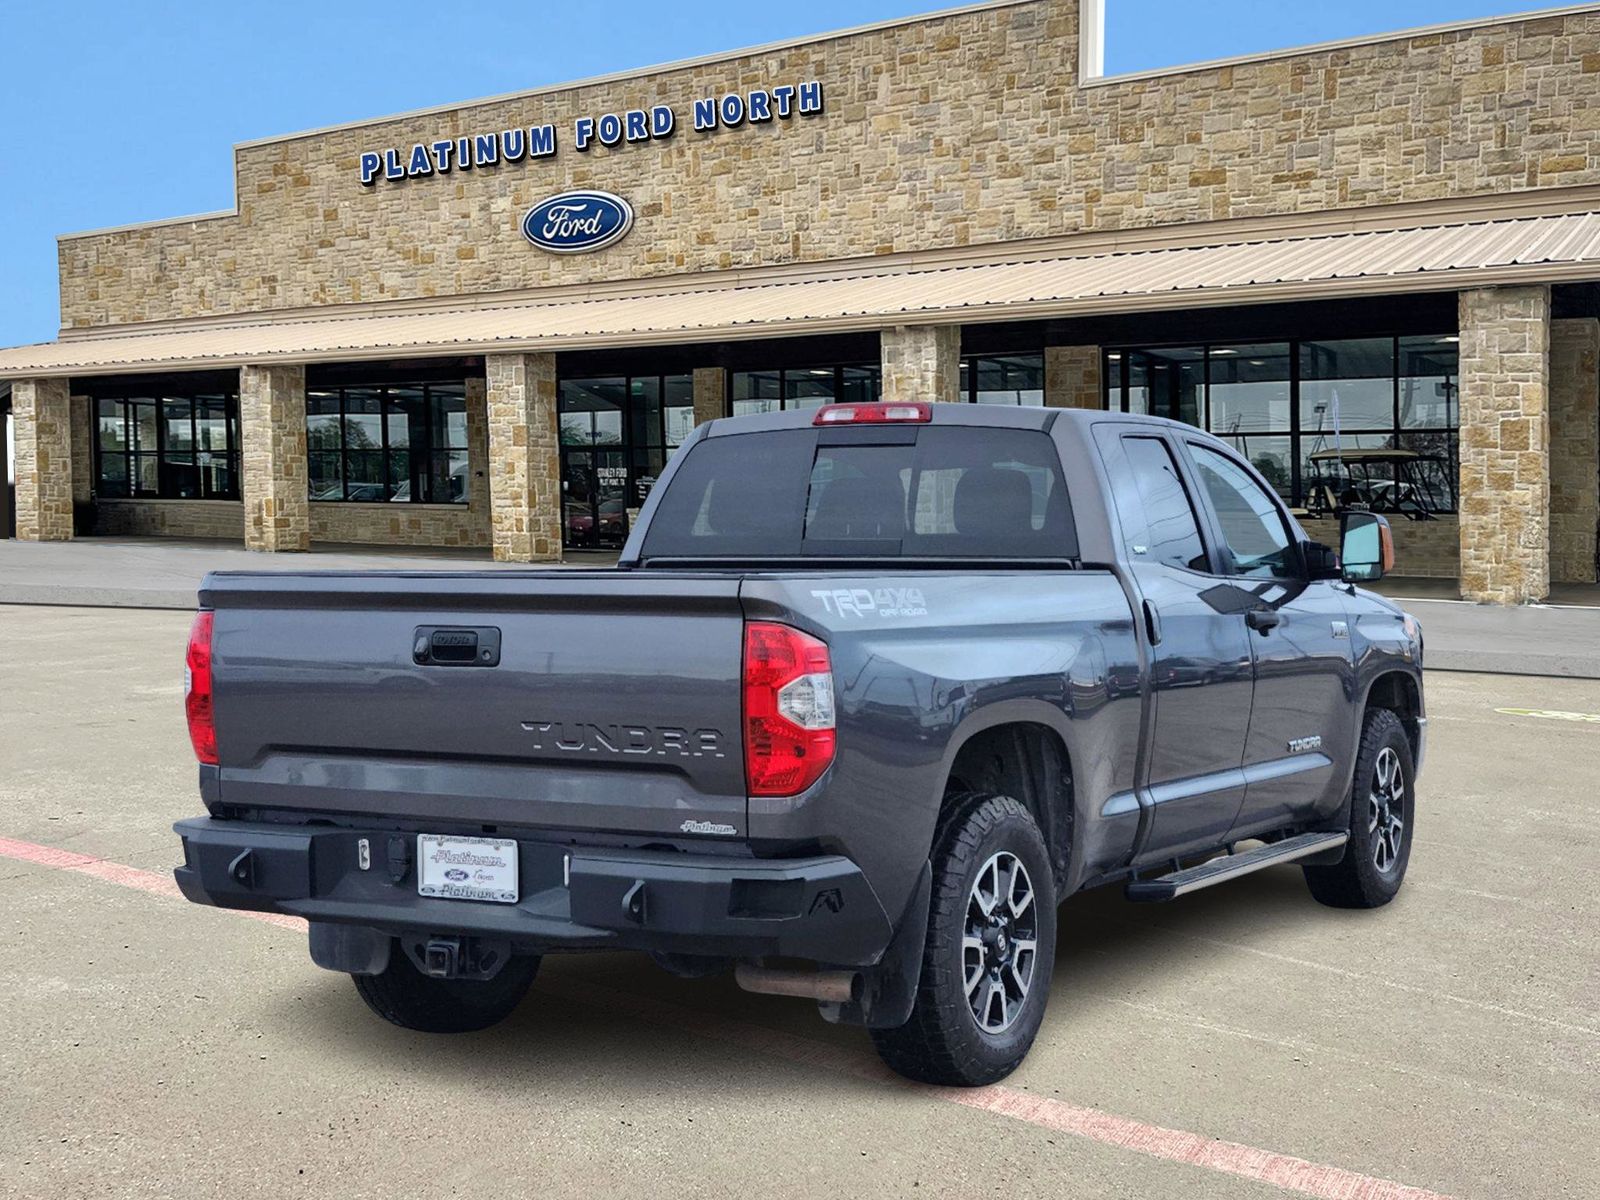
column 197, row 698
column 788, row 709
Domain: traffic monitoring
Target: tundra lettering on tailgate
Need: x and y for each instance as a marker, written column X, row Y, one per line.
column 582, row 737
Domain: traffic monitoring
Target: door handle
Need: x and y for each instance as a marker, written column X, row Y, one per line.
column 1262, row 619
column 1152, row 623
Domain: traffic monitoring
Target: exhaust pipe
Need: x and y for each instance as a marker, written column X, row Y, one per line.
column 827, row 987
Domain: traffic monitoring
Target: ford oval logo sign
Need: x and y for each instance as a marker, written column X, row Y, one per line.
column 578, row 222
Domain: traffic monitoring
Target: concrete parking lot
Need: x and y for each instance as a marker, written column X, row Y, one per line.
column 1447, row 1045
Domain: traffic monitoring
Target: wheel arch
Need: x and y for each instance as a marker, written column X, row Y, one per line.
column 1019, row 751
column 1400, row 692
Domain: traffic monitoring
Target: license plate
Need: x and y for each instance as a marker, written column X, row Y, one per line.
column 467, row 868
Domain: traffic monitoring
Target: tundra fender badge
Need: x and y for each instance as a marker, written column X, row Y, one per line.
column 1301, row 745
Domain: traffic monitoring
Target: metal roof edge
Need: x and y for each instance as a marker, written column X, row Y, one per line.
column 1410, row 282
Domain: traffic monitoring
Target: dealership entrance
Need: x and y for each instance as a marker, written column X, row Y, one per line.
column 594, row 498
column 616, row 434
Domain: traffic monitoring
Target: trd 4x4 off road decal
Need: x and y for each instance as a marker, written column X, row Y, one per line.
column 882, row 602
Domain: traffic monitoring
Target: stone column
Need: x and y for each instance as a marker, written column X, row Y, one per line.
column 41, row 423
column 83, row 473
column 1072, row 377
column 524, row 457
column 274, row 474
column 1574, row 449
column 921, row 363
column 1505, row 444
column 710, row 394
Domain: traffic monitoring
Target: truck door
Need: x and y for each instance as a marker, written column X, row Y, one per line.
column 1302, row 728
column 1200, row 667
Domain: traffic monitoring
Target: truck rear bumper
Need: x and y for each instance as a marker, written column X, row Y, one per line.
column 572, row 897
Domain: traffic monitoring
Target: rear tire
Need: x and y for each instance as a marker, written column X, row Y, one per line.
column 404, row 996
column 990, row 949
column 1382, row 814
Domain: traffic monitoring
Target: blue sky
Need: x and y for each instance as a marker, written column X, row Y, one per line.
column 115, row 112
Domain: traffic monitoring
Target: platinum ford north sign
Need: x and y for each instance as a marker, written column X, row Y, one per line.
column 578, row 222
column 491, row 148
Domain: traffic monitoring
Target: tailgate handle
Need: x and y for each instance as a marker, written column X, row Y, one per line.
column 455, row 646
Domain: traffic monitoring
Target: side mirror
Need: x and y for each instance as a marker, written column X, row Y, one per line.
column 1366, row 546
column 1321, row 561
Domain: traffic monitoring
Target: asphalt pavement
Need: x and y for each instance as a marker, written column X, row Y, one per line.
column 1242, row 1042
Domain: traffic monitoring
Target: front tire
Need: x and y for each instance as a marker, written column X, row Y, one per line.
column 990, row 949
column 404, row 996
column 1382, row 815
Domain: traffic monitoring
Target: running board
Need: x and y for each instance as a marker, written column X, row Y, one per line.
column 1230, row 866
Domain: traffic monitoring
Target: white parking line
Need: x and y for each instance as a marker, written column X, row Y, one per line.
column 1549, row 714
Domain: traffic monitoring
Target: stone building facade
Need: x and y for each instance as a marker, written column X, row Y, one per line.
column 957, row 130
column 975, row 139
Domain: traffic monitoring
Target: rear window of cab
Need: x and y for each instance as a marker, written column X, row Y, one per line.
column 931, row 492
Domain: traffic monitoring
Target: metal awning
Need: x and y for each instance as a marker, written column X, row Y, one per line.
column 1439, row 257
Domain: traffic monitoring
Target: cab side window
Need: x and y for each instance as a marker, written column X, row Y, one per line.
column 1172, row 535
column 1253, row 528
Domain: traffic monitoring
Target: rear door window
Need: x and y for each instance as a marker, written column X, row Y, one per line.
column 951, row 492
column 1172, row 529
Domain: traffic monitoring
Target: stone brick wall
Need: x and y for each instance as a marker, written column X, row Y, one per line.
column 1072, row 377
column 1505, row 444
column 1574, row 449
column 42, row 432
column 524, row 457
column 222, row 519
column 395, row 525
column 943, row 132
column 922, row 363
column 1427, row 548
column 274, row 472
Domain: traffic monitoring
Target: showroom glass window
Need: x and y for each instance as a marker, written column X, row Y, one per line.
column 985, row 379
column 802, row 388
column 389, row 443
column 1003, row 379
column 168, row 446
column 1288, row 406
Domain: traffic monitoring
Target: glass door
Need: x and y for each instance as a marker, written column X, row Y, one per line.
column 616, row 434
column 594, row 502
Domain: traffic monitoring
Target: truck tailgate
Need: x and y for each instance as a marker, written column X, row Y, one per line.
column 614, row 704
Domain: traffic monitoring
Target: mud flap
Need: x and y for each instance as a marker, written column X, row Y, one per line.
column 889, row 990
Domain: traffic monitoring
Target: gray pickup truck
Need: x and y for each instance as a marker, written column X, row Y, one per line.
column 871, row 690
